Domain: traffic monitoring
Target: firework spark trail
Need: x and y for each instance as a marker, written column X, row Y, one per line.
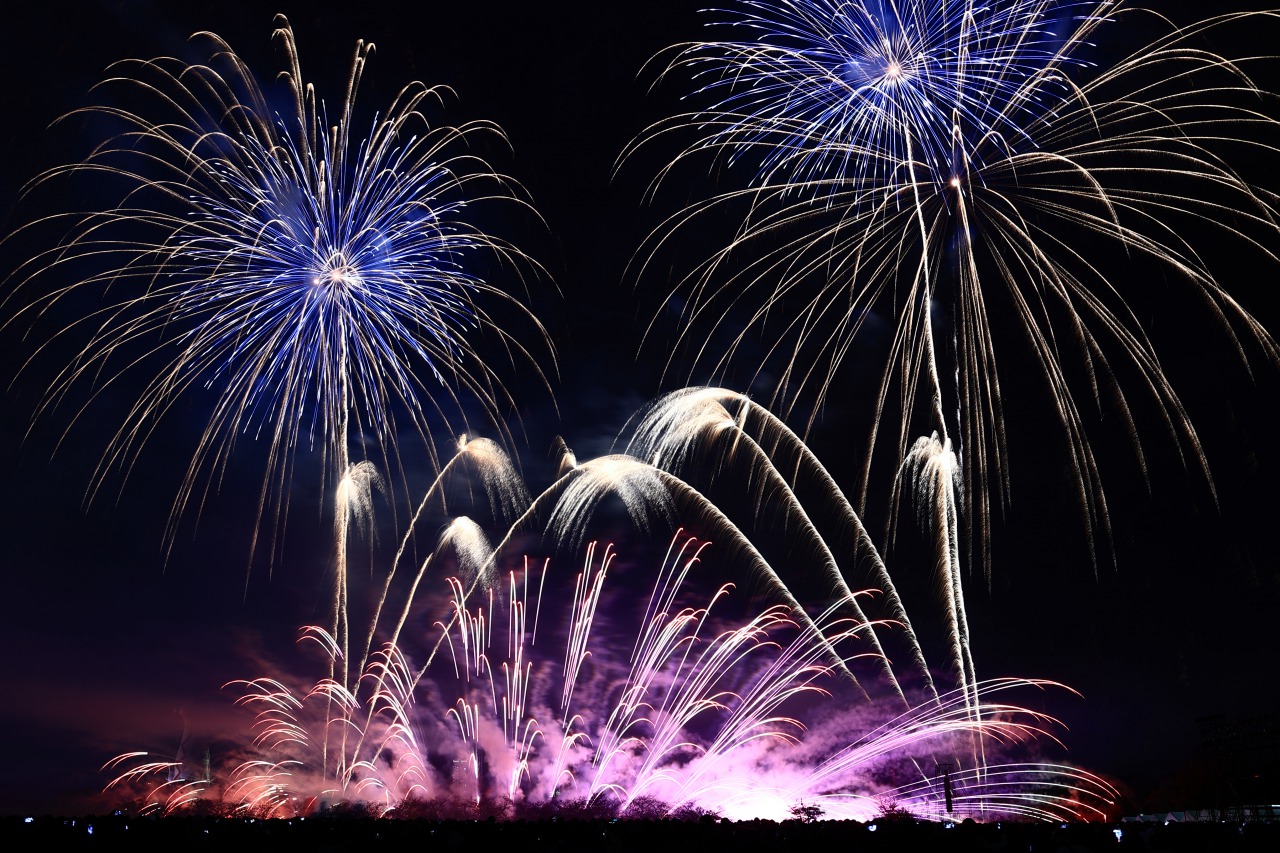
column 697, row 691
column 794, row 671
column 508, row 497
column 931, row 470
column 669, row 434
column 1000, row 722
column 1040, row 792
column 919, row 161
column 353, row 502
column 649, row 494
column 326, row 286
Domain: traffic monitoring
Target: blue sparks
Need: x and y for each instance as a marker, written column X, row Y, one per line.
column 331, row 291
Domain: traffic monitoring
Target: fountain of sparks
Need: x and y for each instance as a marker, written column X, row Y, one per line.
column 506, row 685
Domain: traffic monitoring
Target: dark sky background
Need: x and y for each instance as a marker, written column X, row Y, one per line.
column 103, row 639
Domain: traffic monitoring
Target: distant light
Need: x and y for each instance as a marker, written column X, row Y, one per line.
column 89, row 829
column 1119, row 833
column 871, row 827
column 28, row 820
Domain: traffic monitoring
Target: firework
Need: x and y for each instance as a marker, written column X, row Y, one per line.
column 326, row 286
column 922, row 173
column 329, row 287
column 538, row 701
column 500, row 685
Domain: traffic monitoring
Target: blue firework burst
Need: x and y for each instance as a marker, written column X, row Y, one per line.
column 325, row 285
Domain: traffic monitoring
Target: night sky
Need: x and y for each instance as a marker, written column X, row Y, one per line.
column 105, row 638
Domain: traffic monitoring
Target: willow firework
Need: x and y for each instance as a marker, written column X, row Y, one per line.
column 919, row 174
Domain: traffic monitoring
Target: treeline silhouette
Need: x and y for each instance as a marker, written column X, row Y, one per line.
column 355, row 828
